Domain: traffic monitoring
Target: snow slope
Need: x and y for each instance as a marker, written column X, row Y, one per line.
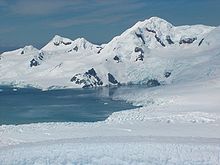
column 114, row 150
column 179, row 122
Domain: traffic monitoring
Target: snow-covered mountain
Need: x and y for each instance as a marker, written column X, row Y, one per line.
column 151, row 52
column 64, row 45
column 178, row 123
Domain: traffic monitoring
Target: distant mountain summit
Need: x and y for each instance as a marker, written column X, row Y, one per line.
column 59, row 43
column 151, row 52
column 156, row 33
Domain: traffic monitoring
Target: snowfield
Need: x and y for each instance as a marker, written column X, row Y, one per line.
column 114, row 150
column 178, row 123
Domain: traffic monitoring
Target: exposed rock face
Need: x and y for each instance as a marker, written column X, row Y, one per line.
column 201, row 42
column 57, row 43
column 151, row 31
column 88, row 79
column 187, row 40
column 91, row 72
column 141, row 55
column 40, row 56
column 167, row 74
column 100, row 49
column 137, row 49
column 66, row 43
column 169, row 40
column 36, row 61
column 159, row 40
column 116, row 58
column 76, row 48
column 153, row 83
column 112, row 79
column 141, row 37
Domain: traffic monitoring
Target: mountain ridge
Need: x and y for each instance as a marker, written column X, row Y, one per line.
column 143, row 54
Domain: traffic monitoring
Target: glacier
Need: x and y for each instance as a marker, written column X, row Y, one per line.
column 178, row 123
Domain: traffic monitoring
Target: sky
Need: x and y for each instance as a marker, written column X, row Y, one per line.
column 35, row 22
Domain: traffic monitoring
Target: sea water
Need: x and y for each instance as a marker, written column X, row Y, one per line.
column 30, row 105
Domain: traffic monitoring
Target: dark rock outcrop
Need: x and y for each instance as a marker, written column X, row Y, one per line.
column 141, row 55
column 201, row 42
column 187, row 40
column 88, row 79
column 112, row 79
column 56, row 43
column 41, row 56
column 167, row 74
column 169, row 40
column 91, row 72
column 100, row 49
column 116, row 58
column 137, row 49
column 76, row 48
column 66, row 43
column 62, row 42
column 34, row 62
column 159, row 40
column 153, row 83
column 141, row 37
column 151, row 31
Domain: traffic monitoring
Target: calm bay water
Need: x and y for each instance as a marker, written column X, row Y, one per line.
column 27, row 105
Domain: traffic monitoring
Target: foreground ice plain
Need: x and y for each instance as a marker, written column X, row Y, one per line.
column 179, row 122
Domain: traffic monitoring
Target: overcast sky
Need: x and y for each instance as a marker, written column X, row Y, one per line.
column 25, row 22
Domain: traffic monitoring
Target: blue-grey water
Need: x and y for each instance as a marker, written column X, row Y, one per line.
column 29, row 105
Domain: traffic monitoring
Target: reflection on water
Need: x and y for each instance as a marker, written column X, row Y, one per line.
column 28, row 105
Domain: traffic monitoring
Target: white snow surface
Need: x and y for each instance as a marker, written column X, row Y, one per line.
column 178, row 123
